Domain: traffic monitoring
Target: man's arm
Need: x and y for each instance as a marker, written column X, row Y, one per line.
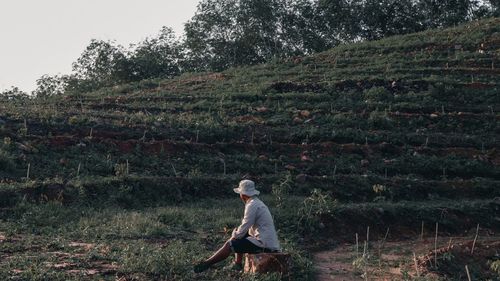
column 247, row 222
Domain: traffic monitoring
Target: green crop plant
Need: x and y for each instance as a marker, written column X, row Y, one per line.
column 315, row 206
column 6, row 161
column 281, row 189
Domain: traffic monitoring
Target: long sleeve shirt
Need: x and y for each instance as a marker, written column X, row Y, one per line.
column 258, row 223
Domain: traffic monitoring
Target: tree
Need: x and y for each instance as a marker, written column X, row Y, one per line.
column 210, row 35
column 225, row 33
column 103, row 64
column 303, row 28
column 340, row 20
column 50, row 86
column 14, row 93
column 443, row 13
column 157, row 57
column 389, row 17
column 495, row 7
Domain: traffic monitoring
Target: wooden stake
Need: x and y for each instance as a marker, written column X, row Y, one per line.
column 197, row 135
column 385, row 237
column 367, row 236
column 28, row 172
column 422, row 231
column 416, row 264
column 381, row 246
column 475, row 239
column 78, row 170
column 364, row 250
column 357, row 246
column 127, row 167
column 173, row 168
column 435, row 244
column 468, row 273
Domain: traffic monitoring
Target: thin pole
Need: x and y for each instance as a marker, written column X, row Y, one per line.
column 475, row 239
column 422, row 231
column 28, row 172
column 416, row 264
column 435, row 244
column 78, row 171
column 357, row 246
column 468, row 273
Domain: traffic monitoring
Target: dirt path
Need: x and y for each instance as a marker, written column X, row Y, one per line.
column 383, row 261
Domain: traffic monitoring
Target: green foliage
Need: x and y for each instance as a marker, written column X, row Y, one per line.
column 377, row 94
column 7, row 163
column 159, row 56
column 232, row 33
column 51, row 85
column 495, row 266
column 282, row 188
column 170, row 261
column 315, row 206
column 121, row 169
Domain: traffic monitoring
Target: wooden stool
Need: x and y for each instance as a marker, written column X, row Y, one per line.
column 268, row 262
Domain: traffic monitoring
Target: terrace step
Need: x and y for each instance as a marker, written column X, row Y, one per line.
column 405, row 219
column 152, row 190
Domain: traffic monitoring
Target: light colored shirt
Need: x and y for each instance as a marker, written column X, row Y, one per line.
column 259, row 225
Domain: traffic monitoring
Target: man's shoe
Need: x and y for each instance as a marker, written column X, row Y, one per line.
column 235, row 267
column 200, row 267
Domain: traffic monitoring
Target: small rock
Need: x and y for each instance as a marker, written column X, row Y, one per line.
column 306, row 158
column 301, row 178
column 263, row 157
column 297, row 120
column 305, row 113
column 434, row 115
column 262, row 109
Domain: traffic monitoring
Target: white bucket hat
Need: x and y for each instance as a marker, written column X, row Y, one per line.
column 247, row 187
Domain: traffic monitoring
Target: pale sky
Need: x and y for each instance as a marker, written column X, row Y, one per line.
column 45, row 36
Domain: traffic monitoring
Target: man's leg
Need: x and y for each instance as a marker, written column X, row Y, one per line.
column 238, row 258
column 220, row 255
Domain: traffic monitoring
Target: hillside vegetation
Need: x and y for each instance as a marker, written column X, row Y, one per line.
column 401, row 132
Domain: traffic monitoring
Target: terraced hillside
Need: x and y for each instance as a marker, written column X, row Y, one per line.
column 402, row 132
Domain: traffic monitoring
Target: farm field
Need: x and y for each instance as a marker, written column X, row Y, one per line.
column 389, row 137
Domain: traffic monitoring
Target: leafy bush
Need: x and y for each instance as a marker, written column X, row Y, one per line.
column 377, row 94
column 319, row 203
column 6, row 161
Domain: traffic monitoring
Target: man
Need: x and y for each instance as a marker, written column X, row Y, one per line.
column 256, row 234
